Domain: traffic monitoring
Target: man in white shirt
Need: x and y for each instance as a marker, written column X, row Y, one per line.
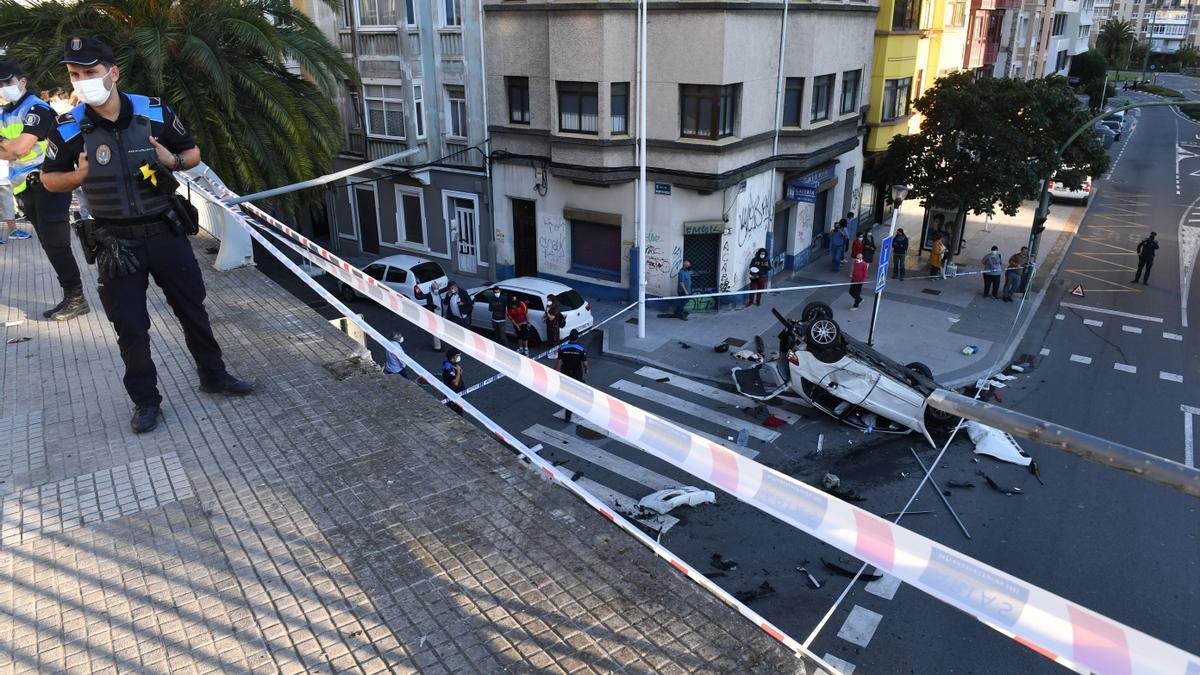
column 393, row 365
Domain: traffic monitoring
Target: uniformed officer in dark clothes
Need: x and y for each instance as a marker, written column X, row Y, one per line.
column 110, row 144
column 1145, row 252
column 572, row 360
column 25, row 122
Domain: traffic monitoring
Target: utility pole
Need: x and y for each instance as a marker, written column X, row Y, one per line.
column 641, row 231
column 1149, row 40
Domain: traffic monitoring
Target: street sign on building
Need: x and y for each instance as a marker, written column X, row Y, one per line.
column 801, row 191
column 885, row 259
column 662, row 188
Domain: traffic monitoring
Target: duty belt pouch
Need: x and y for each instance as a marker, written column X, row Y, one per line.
column 188, row 216
column 84, row 230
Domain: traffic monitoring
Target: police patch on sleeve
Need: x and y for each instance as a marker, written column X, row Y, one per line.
column 65, row 118
column 51, row 150
column 178, row 126
column 32, row 120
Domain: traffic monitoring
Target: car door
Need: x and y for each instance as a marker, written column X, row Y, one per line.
column 851, row 380
column 375, row 271
column 396, row 278
column 537, row 312
column 481, row 313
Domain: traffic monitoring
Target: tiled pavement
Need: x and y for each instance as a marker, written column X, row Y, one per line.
column 320, row 525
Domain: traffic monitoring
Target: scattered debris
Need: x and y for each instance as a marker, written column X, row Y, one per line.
column 996, row 443
column 664, row 500
column 721, row 348
column 820, row 442
column 13, row 341
column 685, row 345
column 805, row 572
column 1019, row 367
column 15, row 322
column 907, row 513
column 842, row 571
column 663, row 380
column 762, row 591
column 960, row 484
column 722, row 564
column 1036, row 471
column 996, row 486
column 970, row 350
column 576, row 476
column 831, row 482
column 773, row 422
column 743, row 437
column 714, row 575
column 745, row 355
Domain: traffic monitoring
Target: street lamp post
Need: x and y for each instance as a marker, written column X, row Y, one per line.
column 899, row 192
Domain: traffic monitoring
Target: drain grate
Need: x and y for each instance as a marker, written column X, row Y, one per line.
column 930, row 291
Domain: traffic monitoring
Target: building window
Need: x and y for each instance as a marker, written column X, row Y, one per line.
column 896, row 95
column 353, row 112
column 1060, row 23
column 456, row 112
column 378, row 13
column 906, row 14
column 1062, row 60
column 956, row 13
column 851, row 85
column 793, row 96
column 453, row 12
column 385, row 110
column 410, row 12
column 596, row 249
column 419, row 108
column 707, row 111
column 620, row 107
column 411, row 213
column 518, row 100
column 822, row 92
column 578, row 107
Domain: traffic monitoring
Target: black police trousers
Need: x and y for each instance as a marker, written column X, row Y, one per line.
column 49, row 213
column 169, row 259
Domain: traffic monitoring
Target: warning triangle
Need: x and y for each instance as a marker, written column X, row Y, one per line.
column 1077, row 291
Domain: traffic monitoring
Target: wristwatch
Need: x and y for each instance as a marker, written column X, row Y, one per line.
column 178, row 162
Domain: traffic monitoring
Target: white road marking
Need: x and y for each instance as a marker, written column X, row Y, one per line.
column 1173, row 336
column 1059, row 317
column 860, row 626
column 625, row 504
column 1044, row 352
column 1170, row 377
column 1112, row 312
column 1085, row 360
column 719, row 395
column 885, row 586
column 842, row 666
column 745, row 452
column 602, row 458
column 1124, row 368
column 1189, row 451
column 1092, row 322
column 687, row 407
column 1132, row 329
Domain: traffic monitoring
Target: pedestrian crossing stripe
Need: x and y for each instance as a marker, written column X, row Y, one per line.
column 1077, row 291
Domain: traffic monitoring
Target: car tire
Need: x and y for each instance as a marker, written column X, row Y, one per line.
column 824, row 340
column 347, row 293
column 814, row 310
column 918, row 367
column 939, row 422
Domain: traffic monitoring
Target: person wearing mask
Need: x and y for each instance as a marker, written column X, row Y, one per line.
column 947, row 256
column 899, row 251
column 935, row 256
column 433, row 302
column 554, row 319
column 993, row 265
column 1012, row 276
column 837, row 245
column 851, row 221
column 1145, row 253
column 572, row 361
column 683, row 288
column 868, row 247
column 760, row 266
column 458, row 305
column 518, row 314
column 858, row 275
column 498, row 309
column 393, row 365
column 452, row 370
column 856, row 246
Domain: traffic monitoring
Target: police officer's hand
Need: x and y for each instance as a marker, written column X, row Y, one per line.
column 81, row 167
column 165, row 157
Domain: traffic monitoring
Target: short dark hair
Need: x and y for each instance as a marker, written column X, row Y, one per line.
column 574, row 335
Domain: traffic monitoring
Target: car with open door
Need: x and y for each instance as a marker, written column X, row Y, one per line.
column 536, row 294
column 845, row 378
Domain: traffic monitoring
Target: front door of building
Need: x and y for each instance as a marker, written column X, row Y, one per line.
column 704, row 252
column 820, row 220
column 463, row 217
column 525, row 237
column 368, row 219
column 779, row 239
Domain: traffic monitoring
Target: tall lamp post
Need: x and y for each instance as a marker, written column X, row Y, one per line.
column 899, row 192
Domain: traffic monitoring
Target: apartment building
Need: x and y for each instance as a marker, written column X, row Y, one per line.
column 745, row 150
column 421, row 66
column 1041, row 39
column 916, row 41
column 1167, row 25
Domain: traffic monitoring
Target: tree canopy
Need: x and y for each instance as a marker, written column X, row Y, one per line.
column 1114, row 40
column 988, row 144
column 1188, row 55
column 229, row 68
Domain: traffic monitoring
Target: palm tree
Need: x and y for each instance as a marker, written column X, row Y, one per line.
column 1188, row 55
column 222, row 65
column 1114, row 40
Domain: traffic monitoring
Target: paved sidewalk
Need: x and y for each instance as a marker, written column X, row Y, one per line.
column 920, row 319
column 321, row 525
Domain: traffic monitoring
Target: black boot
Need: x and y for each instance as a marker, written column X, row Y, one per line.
column 145, row 418
column 226, row 384
column 73, row 305
column 50, row 312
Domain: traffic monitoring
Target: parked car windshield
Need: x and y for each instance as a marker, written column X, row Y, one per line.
column 570, row 299
column 427, row 271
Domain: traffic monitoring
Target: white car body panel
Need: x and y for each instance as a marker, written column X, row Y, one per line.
column 577, row 319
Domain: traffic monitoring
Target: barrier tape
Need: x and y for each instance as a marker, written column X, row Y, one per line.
column 548, row 469
column 1051, row 625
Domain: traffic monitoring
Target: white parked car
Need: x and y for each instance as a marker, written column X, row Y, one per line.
column 401, row 273
column 1061, row 192
column 534, row 292
column 845, row 378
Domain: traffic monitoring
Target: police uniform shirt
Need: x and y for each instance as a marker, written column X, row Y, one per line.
column 61, row 156
column 39, row 121
column 573, row 357
column 448, row 374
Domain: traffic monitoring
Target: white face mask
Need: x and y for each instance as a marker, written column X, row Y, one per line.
column 11, row 93
column 93, row 91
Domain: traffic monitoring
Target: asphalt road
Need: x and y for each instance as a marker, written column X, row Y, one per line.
column 1120, row 546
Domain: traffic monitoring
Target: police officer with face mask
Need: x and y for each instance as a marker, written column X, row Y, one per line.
column 122, row 149
column 25, row 122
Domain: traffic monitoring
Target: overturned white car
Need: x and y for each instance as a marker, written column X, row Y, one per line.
column 845, row 378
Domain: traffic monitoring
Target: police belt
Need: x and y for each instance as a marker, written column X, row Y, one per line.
column 136, row 228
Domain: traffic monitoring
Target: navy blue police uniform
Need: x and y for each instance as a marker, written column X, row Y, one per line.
column 572, row 358
column 143, row 226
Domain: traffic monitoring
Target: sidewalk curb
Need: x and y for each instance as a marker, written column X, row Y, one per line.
column 647, row 361
column 1071, row 230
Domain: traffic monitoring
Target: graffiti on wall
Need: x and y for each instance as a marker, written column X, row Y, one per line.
column 726, row 253
column 552, row 243
column 753, row 218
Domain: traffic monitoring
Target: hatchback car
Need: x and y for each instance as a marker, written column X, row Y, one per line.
column 845, row 378
column 1060, row 192
column 1116, row 124
column 401, row 273
column 534, row 292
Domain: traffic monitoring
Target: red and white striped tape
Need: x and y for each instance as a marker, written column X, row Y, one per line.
column 1051, row 625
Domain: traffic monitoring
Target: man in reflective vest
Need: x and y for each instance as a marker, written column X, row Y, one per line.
column 25, row 121
column 112, row 144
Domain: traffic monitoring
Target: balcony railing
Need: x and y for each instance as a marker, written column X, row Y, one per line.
column 451, row 44
column 376, row 68
column 414, row 43
column 345, row 43
column 379, row 44
column 355, row 144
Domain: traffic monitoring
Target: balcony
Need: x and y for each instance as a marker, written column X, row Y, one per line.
column 380, row 68
column 451, row 44
column 385, row 45
column 981, row 53
column 346, row 44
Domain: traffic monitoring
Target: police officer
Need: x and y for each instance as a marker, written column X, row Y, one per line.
column 25, row 122
column 572, row 361
column 111, row 144
column 452, row 370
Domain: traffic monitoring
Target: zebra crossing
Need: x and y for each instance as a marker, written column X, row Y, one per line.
column 703, row 409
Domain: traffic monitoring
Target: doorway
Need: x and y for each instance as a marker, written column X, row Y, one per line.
column 366, row 210
column 820, row 220
column 704, row 252
column 525, row 237
column 461, row 211
column 779, row 239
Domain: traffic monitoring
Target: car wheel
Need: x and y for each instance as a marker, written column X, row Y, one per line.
column 816, row 310
column 918, row 367
column 347, row 293
column 823, row 333
column 939, row 421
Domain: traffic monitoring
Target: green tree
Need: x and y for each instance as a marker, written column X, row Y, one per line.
column 1090, row 66
column 1114, row 40
column 988, row 144
column 1189, row 56
column 223, row 66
